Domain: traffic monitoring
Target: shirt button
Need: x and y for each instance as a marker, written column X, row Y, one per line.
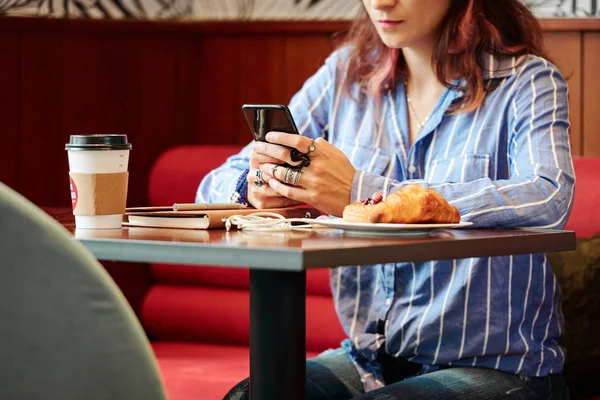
column 388, row 302
column 412, row 169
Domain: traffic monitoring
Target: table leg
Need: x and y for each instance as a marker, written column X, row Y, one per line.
column 277, row 335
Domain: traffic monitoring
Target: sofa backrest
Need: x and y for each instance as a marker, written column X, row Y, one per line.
column 585, row 215
column 208, row 304
column 211, row 304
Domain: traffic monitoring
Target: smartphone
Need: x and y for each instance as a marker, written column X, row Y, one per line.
column 264, row 118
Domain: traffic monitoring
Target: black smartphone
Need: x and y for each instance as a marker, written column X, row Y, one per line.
column 264, row 118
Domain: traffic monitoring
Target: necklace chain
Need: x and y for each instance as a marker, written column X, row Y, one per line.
column 420, row 124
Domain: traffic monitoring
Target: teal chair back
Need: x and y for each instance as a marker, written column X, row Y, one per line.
column 66, row 331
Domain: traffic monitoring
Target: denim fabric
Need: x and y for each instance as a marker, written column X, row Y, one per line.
column 333, row 376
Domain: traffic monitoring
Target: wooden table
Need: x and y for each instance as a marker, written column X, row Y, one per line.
column 278, row 264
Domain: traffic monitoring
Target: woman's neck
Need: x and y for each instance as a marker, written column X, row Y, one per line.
column 423, row 88
column 420, row 71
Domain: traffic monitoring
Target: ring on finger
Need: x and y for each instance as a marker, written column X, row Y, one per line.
column 311, row 148
column 292, row 176
column 258, row 180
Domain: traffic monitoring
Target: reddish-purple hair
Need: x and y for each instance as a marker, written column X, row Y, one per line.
column 503, row 28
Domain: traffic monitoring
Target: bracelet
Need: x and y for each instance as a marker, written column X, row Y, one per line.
column 240, row 195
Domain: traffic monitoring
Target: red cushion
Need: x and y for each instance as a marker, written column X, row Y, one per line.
column 317, row 280
column 176, row 174
column 218, row 315
column 193, row 371
column 585, row 217
column 233, row 278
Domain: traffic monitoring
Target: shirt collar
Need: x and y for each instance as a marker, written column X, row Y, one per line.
column 497, row 66
column 492, row 67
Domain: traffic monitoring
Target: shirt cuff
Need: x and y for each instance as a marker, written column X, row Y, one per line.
column 365, row 184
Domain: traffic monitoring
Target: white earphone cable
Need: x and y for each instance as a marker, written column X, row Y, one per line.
column 266, row 221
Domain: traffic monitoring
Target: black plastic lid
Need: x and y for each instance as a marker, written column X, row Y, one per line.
column 98, row 142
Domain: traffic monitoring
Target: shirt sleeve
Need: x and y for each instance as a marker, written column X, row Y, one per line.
column 310, row 109
column 218, row 185
column 539, row 191
column 312, row 106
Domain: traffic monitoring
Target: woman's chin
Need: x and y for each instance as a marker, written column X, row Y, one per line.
column 393, row 41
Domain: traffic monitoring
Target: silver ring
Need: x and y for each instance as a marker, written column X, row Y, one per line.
column 287, row 175
column 297, row 176
column 292, row 176
column 273, row 170
column 258, row 181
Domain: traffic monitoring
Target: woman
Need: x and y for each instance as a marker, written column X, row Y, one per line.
column 455, row 95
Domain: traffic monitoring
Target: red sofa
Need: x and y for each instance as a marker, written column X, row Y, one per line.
column 197, row 317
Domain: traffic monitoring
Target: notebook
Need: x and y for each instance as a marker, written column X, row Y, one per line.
column 204, row 219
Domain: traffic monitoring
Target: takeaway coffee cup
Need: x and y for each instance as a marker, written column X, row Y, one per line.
column 98, row 174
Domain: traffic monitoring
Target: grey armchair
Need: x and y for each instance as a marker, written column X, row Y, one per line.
column 66, row 331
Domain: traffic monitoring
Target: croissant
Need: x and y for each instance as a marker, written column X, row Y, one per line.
column 409, row 205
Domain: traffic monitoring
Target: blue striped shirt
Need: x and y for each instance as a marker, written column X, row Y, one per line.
column 506, row 164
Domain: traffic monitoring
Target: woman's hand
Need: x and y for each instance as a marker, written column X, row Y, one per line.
column 325, row 184
column 264, row 196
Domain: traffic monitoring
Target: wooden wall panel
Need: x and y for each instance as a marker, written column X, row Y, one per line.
column 591, row 98
column 565, row 50
column 304, row 56
column 219, row 82
column 43, row 172
column 101, row 93
column 169, row 83
column 9, row 109
column 157, row 80
column 261, row 70
column 187, row 89
column 101, row 84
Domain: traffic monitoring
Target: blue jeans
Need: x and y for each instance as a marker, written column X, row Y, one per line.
column 332, row 376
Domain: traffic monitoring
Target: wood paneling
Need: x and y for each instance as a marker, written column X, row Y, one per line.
column 565, row 50
column 570, row 24
column 261, row 74
column 235, row 27
column 43, row 176
column 102, row 94
column 169, row 83
column 185, row 28
column 218, row 120
column 187, row 89
column 9, row 109
column 591, row 96
column 304, row 55
column 157, row 82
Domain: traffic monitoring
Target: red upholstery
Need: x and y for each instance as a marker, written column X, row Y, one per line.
column 194, row 371
column 585, row 216
column 197, row 317
column 176, row 174
column 220, row 315
column 317, row 281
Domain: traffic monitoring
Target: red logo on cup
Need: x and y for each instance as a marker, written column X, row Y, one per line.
column 74, row 195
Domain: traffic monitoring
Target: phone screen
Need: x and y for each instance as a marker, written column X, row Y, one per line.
column 264, row 118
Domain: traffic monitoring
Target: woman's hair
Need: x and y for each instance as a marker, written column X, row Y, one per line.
column 503, row 28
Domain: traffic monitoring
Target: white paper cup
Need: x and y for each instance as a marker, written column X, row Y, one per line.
column 97, row 154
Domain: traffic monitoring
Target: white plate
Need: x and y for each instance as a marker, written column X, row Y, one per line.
column 364, row 228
